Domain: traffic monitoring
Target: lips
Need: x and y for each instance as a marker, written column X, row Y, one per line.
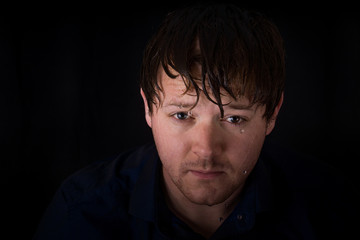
column 206, row 174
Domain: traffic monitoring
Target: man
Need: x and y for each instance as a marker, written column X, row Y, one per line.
column 212, row 82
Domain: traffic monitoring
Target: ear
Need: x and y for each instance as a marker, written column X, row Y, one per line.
column 146, row 106
column 271, row 122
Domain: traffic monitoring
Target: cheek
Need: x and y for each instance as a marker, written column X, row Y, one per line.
column 245, row 150
column 170, row 145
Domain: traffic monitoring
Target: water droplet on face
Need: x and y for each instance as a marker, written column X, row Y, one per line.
column 244, row 172
column 242, row 131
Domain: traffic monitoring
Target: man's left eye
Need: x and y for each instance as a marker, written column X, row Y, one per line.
column 234, row 119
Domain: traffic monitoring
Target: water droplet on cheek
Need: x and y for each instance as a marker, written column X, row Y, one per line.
column 242, row 131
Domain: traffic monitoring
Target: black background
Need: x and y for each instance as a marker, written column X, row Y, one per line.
column 69, row 94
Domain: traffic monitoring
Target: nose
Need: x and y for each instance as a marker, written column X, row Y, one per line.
column 207, row 141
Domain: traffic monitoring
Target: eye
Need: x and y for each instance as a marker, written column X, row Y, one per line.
column 234, row 120
column 181, row 115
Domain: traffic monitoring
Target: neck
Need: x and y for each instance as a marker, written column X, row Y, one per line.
column 203, row 219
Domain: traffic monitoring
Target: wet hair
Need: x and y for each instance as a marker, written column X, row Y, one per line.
column 239, row 51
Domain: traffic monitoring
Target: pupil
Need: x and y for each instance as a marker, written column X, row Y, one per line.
column 234, row 119
column 181, row 115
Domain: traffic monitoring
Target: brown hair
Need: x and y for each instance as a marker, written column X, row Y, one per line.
column 240, row 51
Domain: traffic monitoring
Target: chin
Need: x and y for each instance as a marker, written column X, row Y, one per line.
column 207, row 202
column 209, row 197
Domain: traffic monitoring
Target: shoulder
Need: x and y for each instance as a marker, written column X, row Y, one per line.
column 106, row 177
column 94, row 201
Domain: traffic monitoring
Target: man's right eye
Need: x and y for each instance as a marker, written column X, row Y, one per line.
column 181, row 115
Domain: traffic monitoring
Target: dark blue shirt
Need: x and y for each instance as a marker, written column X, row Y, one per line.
column 286, row 196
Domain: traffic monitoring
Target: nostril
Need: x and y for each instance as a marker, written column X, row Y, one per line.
column 205, row 149
column 203, row 153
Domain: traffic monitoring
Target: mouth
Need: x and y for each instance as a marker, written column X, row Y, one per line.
column 206, row 174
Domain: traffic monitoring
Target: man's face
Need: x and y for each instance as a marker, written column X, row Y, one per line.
column 205, row 157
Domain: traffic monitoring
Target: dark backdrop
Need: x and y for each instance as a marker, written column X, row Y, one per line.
column 69, row 95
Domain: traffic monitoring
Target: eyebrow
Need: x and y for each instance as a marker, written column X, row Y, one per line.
column 179, row 104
